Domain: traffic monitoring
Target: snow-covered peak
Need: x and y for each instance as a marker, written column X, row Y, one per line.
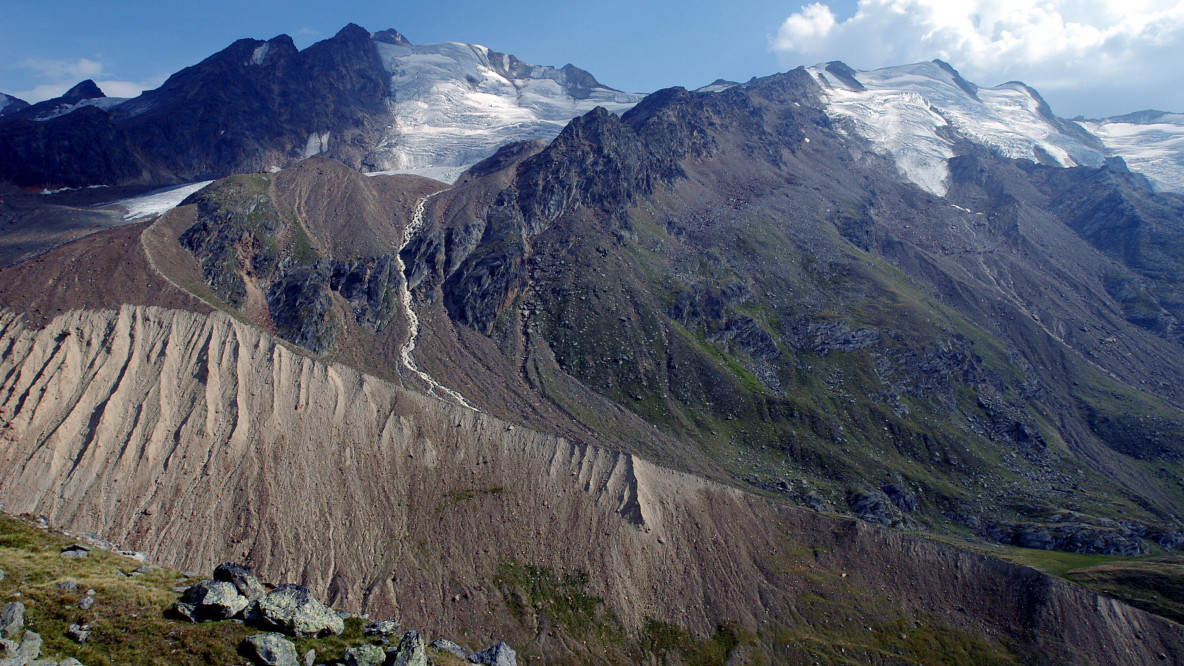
column 1151, row 143
column 919, row 113
column 455, row 104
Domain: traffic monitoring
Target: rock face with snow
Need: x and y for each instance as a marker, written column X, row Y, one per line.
column 10, row 104
column 925, row 113
column 455, row 104
column 1151, row 142
column 370, row 101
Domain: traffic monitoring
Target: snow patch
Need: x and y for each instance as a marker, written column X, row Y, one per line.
column 157, row 202
column 104, row 103
column 260, row 53
column 317, row 144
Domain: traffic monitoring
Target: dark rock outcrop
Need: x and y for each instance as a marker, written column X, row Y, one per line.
column 211, row 600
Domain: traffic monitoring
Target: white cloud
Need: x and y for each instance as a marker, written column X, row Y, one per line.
column 1096, row 56
column 74, row 70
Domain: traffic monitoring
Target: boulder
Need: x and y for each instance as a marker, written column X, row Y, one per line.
column 454, row 649
column 411, row 651
column 76, row 551
column 30, row 647
column 78, row 633
column 293, row 610
column 69, row 661
column 499, row 654
column 269, row 650
column 242, row 579
column 903, row 499
column 381, row 628
column 364, row 655
column 86, row 603
column 211, row 600
column 12, row 619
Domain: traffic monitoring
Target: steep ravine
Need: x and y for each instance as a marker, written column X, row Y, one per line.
column 199, row 439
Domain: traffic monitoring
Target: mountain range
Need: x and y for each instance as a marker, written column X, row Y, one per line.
column 705, row 353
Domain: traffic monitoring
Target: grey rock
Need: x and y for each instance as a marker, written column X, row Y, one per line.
column 310, row 658
column 411, row 651
column 30, row 647
column 269, row 650
column 69, row 661
column 903, row 499
column 12, row 619
column 76, row 551
column 498, row 654
column 186, row 610
column 364, row 655
column 8, row 646
column 86, row 603
column 2, row 574
column 381, row 628
column 68, row 586
column 213, row 600
column 242, row 579
column 454, row 649
column 292, row 609
column 78, row 633
column 815, row 501
column 874, row 506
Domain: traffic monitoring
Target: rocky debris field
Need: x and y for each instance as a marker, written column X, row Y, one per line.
column 292, row 610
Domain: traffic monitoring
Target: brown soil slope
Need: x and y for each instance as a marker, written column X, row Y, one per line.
column 198, row 439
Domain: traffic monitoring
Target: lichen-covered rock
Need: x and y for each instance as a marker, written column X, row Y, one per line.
column 411, row 651
column 498, row 654
column 364, row 655
column 12, row 619
column 269, row 650
column 242, row 579
column 211, row 600
column 78, row 633
column 454, row 649
column 381, row 628
column 292, row 609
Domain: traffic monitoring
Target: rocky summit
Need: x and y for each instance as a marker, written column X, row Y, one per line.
column 827, row 366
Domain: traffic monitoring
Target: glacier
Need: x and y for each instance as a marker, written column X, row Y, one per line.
column 454, row 104
column 918, row 114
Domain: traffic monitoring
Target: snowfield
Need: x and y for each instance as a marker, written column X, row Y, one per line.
column 158, row 202
column 1153, row 146
column 918, row 113
column 456, row 104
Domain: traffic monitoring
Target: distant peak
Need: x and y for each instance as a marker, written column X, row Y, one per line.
column 84, row 90
column 352, row 31
column 391, row 36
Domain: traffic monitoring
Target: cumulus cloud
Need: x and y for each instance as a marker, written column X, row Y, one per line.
column 1086, row 56
column 74, row 70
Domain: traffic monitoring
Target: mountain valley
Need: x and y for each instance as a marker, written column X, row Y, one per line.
column 810, row 367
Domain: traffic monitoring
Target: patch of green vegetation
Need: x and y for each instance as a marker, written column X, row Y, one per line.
column 675, row 644
column 131, row 621
column 453, row 497
column 561, row 597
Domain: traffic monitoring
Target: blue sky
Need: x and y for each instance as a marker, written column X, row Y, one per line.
column 1092, row 57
